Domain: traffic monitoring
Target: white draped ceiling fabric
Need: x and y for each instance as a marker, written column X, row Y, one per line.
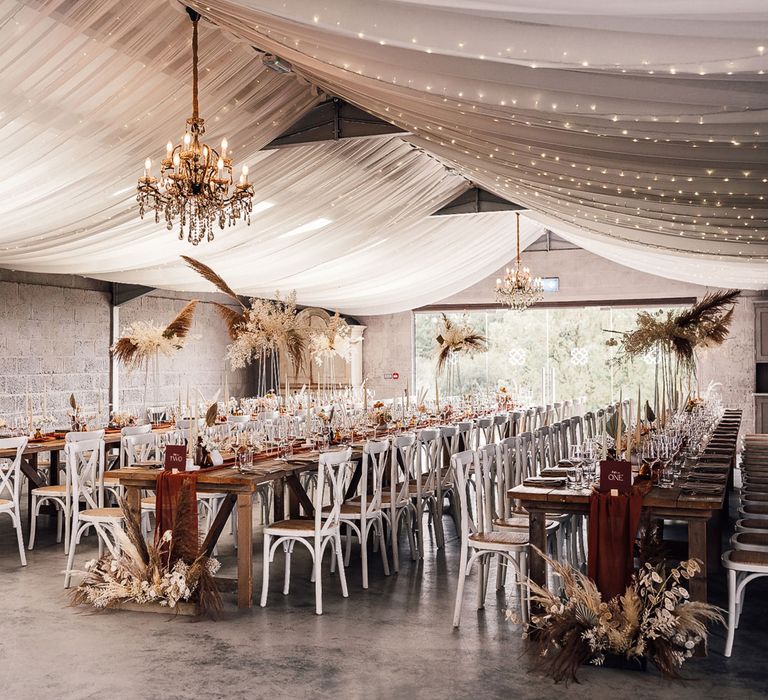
column 637, row 131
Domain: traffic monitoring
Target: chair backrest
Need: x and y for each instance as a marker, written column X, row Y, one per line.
column 507, row 472
column 557, row 408
column 590, row 426
column 516, row 420
column 576, row 430
column 332, row 471
column 543, row 453
column 427, row 459
column 85, row 469
column 374, row 463
column 10, row 474
column 131, row 430
column 483, row 431
column 401, row 467
column 465, row 434
column 500, row 427
column 463, row 464
column 140, row 448
column 525, row 457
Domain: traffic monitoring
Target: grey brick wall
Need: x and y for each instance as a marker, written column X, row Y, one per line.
column 54, row 337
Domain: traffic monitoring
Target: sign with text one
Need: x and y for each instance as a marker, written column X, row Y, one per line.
column 615, row 476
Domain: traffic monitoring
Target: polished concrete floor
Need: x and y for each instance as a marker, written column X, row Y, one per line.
column 393, row 640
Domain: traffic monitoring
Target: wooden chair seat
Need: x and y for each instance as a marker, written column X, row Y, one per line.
column 5, row 504
column 521, row 522
column 504, row 540
column 291, row 527
column 149, row 503
column 746, row 560
column 101, row 514
column 55, row 490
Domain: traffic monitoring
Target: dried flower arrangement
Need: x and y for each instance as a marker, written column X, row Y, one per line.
column 673, row 338
column 457, row 338
column 143, row 340
column 332, row 340
column 165, row 572
column 260, row 329
column 653, row 620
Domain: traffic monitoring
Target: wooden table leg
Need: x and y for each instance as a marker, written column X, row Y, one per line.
column 278, row 499
column 537, row 536
column 218, row 524
column 697, row 549
column 244, row 551
column 298, row 498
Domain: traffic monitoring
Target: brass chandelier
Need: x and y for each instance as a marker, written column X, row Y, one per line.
column 519, row 289
column 195, row 184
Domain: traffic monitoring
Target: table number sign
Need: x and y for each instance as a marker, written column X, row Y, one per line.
column 615, row 475
column 175, row 457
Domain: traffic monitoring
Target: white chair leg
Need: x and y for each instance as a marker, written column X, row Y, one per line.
column 342, row 573
column 409, row 525
column 460, row 587
column 481, row 587
column 394, row 519
column 319, row 581
column 19, row 537
column 364, row 550
column 348, row 552
column 70, row 558
column 288, row 549
column 383, row 546
column 731, row 612
column 67, row 530
column 501, row 573
column 33, row 526
column 59, row 524
column 419, row 520
column 265, row 571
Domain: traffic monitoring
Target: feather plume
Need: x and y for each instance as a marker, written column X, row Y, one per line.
column 179, row 327
column 133, row 531
column 211, row 413
column 183, row 546
column 214, row 278
column 72, row 402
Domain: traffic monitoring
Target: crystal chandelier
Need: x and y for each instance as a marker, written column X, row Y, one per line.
column 195, row 182
column 519, row 289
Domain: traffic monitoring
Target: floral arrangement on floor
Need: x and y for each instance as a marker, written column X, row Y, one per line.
column 162, row 572
column 332, row 340
column 457, row 339
column 143, row 340
column 260, row 329
column 653, row 620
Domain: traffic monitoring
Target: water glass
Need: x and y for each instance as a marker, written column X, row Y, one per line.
column 574, row 476
column 666, row 475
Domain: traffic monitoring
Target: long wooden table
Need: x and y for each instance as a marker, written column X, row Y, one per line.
column 239, row 490
column 697, row 510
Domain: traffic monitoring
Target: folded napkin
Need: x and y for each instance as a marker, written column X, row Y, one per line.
column 693, row 488
column 555, row 471
column 707, row 476
column 550, row 481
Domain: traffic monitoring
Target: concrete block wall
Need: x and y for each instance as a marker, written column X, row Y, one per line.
column 583, row 276
column 55, row 338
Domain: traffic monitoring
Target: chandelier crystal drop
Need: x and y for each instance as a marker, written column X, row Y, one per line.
column 519, row 289
column 195, row 184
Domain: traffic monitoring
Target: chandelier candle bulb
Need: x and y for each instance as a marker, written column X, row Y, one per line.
column 169, row 149
column 224, row 145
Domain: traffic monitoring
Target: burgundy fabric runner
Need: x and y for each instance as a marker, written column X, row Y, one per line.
column 613, row 523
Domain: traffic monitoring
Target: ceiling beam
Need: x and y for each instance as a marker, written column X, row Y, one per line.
column 123, row 293
column 333, row 120
column 476, row 200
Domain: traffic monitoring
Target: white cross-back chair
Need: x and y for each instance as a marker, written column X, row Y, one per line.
column 59, row 495
column 85, row 477
column 478, row 533
column 316, row 534
column 396, row 500
column 363, row 514
column 10, row 486
column 425, row 486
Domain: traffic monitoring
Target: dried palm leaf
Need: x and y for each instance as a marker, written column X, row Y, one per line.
column 72, row 402
column 295, row 346
column 179, row 327
column 211, row 413
column 133, row 531
column 233, row 319
column 125, row 351
column 707, row 309
column 457, row 338
column 214, row 278
column 184, row 544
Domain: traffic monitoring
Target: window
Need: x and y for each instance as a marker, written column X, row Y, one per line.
column 540, row 355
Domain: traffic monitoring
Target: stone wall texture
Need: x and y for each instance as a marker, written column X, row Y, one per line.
column 583, row 277
column 55, row 339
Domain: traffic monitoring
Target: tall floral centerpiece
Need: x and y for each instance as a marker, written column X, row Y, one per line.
column 454, row 341
column 329, row 343
column 673, row 338
column 143, row 342
column 259, row 330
